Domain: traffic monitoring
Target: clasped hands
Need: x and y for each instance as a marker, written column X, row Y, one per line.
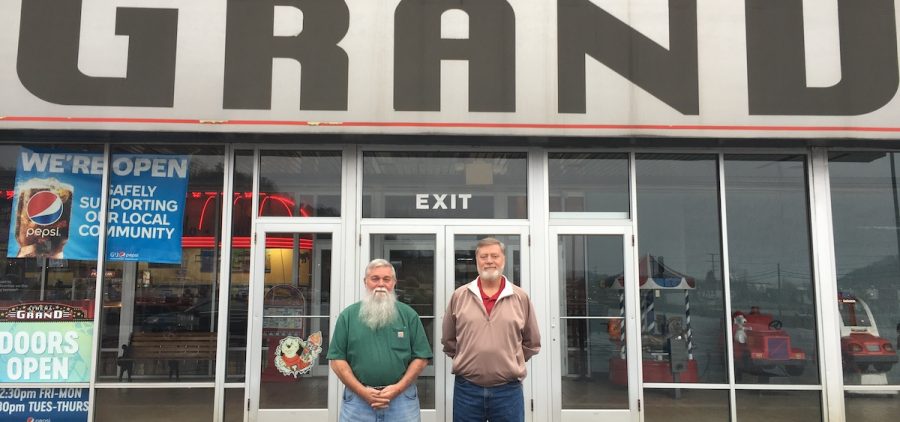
column 381, row 398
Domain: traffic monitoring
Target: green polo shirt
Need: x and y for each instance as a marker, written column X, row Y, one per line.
column 379, row 357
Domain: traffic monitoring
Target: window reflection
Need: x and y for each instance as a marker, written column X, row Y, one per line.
column 864, row 199
column 680, row 265
column 589, row 182
column 169, row 303
column 298, row 184
column 773, row 310
column 594, row 361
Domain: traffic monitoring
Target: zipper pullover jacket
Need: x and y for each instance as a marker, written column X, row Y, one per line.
column 490, row 350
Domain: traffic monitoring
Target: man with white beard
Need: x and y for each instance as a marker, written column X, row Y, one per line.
column 490, row 331
column 378, row 349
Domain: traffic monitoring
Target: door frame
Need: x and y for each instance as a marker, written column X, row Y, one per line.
column 523, row 231
column 633, row 347
column 254, row 359
column 358, row 289
column 445, row 232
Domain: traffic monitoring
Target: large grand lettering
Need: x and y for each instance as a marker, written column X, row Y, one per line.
column 49, row 41
column 250, row 48
column 490, row 51
column 777, row 69
column 670, row 75
column 49, row 45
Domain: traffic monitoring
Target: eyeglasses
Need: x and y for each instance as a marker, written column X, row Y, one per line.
column 376, row 279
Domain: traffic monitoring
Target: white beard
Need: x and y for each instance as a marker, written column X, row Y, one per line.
column 378, row 310
column 491, row 275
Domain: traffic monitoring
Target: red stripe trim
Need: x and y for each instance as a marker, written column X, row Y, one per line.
column 761, row 128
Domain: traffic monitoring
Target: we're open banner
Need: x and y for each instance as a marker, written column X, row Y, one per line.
column 58, row 197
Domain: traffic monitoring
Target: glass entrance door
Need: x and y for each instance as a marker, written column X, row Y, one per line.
column 593, row 328
column 294, row 272
column 431, row 262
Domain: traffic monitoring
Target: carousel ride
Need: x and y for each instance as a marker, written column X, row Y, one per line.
column 667, row 348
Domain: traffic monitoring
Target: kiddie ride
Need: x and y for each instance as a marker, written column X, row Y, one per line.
column 666, row 343
column 763, row 348
column 867, row 357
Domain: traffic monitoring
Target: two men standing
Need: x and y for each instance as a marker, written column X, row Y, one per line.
column 490, row 330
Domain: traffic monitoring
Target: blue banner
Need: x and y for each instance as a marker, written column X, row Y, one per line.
column 57, row 203
column 44, row 404
column 146, row 207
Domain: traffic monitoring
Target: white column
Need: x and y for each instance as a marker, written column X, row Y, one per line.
column 825, row 271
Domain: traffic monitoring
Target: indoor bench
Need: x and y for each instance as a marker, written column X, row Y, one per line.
column 171, row 347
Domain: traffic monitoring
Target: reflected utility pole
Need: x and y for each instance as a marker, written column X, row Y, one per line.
column 780, row 310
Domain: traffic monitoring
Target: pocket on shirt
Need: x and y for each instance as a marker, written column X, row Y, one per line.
column 400, row 342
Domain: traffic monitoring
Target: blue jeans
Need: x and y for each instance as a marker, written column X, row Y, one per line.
column 474, row 403
column 403, row 408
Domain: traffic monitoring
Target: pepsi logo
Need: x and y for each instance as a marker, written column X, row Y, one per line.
column 44, row 208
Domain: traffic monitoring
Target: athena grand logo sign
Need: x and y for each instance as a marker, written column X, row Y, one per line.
column 42, row 312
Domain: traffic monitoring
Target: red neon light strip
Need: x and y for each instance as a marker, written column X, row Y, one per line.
column 243, row 242
column 50, row 119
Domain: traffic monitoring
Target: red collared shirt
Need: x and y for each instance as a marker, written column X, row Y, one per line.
column 489, row 301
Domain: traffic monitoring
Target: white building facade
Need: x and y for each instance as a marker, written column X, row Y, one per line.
column 699, row 196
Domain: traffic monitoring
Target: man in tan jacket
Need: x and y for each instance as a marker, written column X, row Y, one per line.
column 490, row 331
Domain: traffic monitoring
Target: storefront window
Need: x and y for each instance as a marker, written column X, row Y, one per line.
column 444, row 185
column 864, row 200
column 47, row 279
column 680, row 268
column 592, row 303
column 772, row 296
column 786, row 406
column 184, row 404
column 162, row 263
column 687, row 405
column 234, row 405
column 296, row 305
column 299, row 184
column 591, row 183
column 38, row 262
